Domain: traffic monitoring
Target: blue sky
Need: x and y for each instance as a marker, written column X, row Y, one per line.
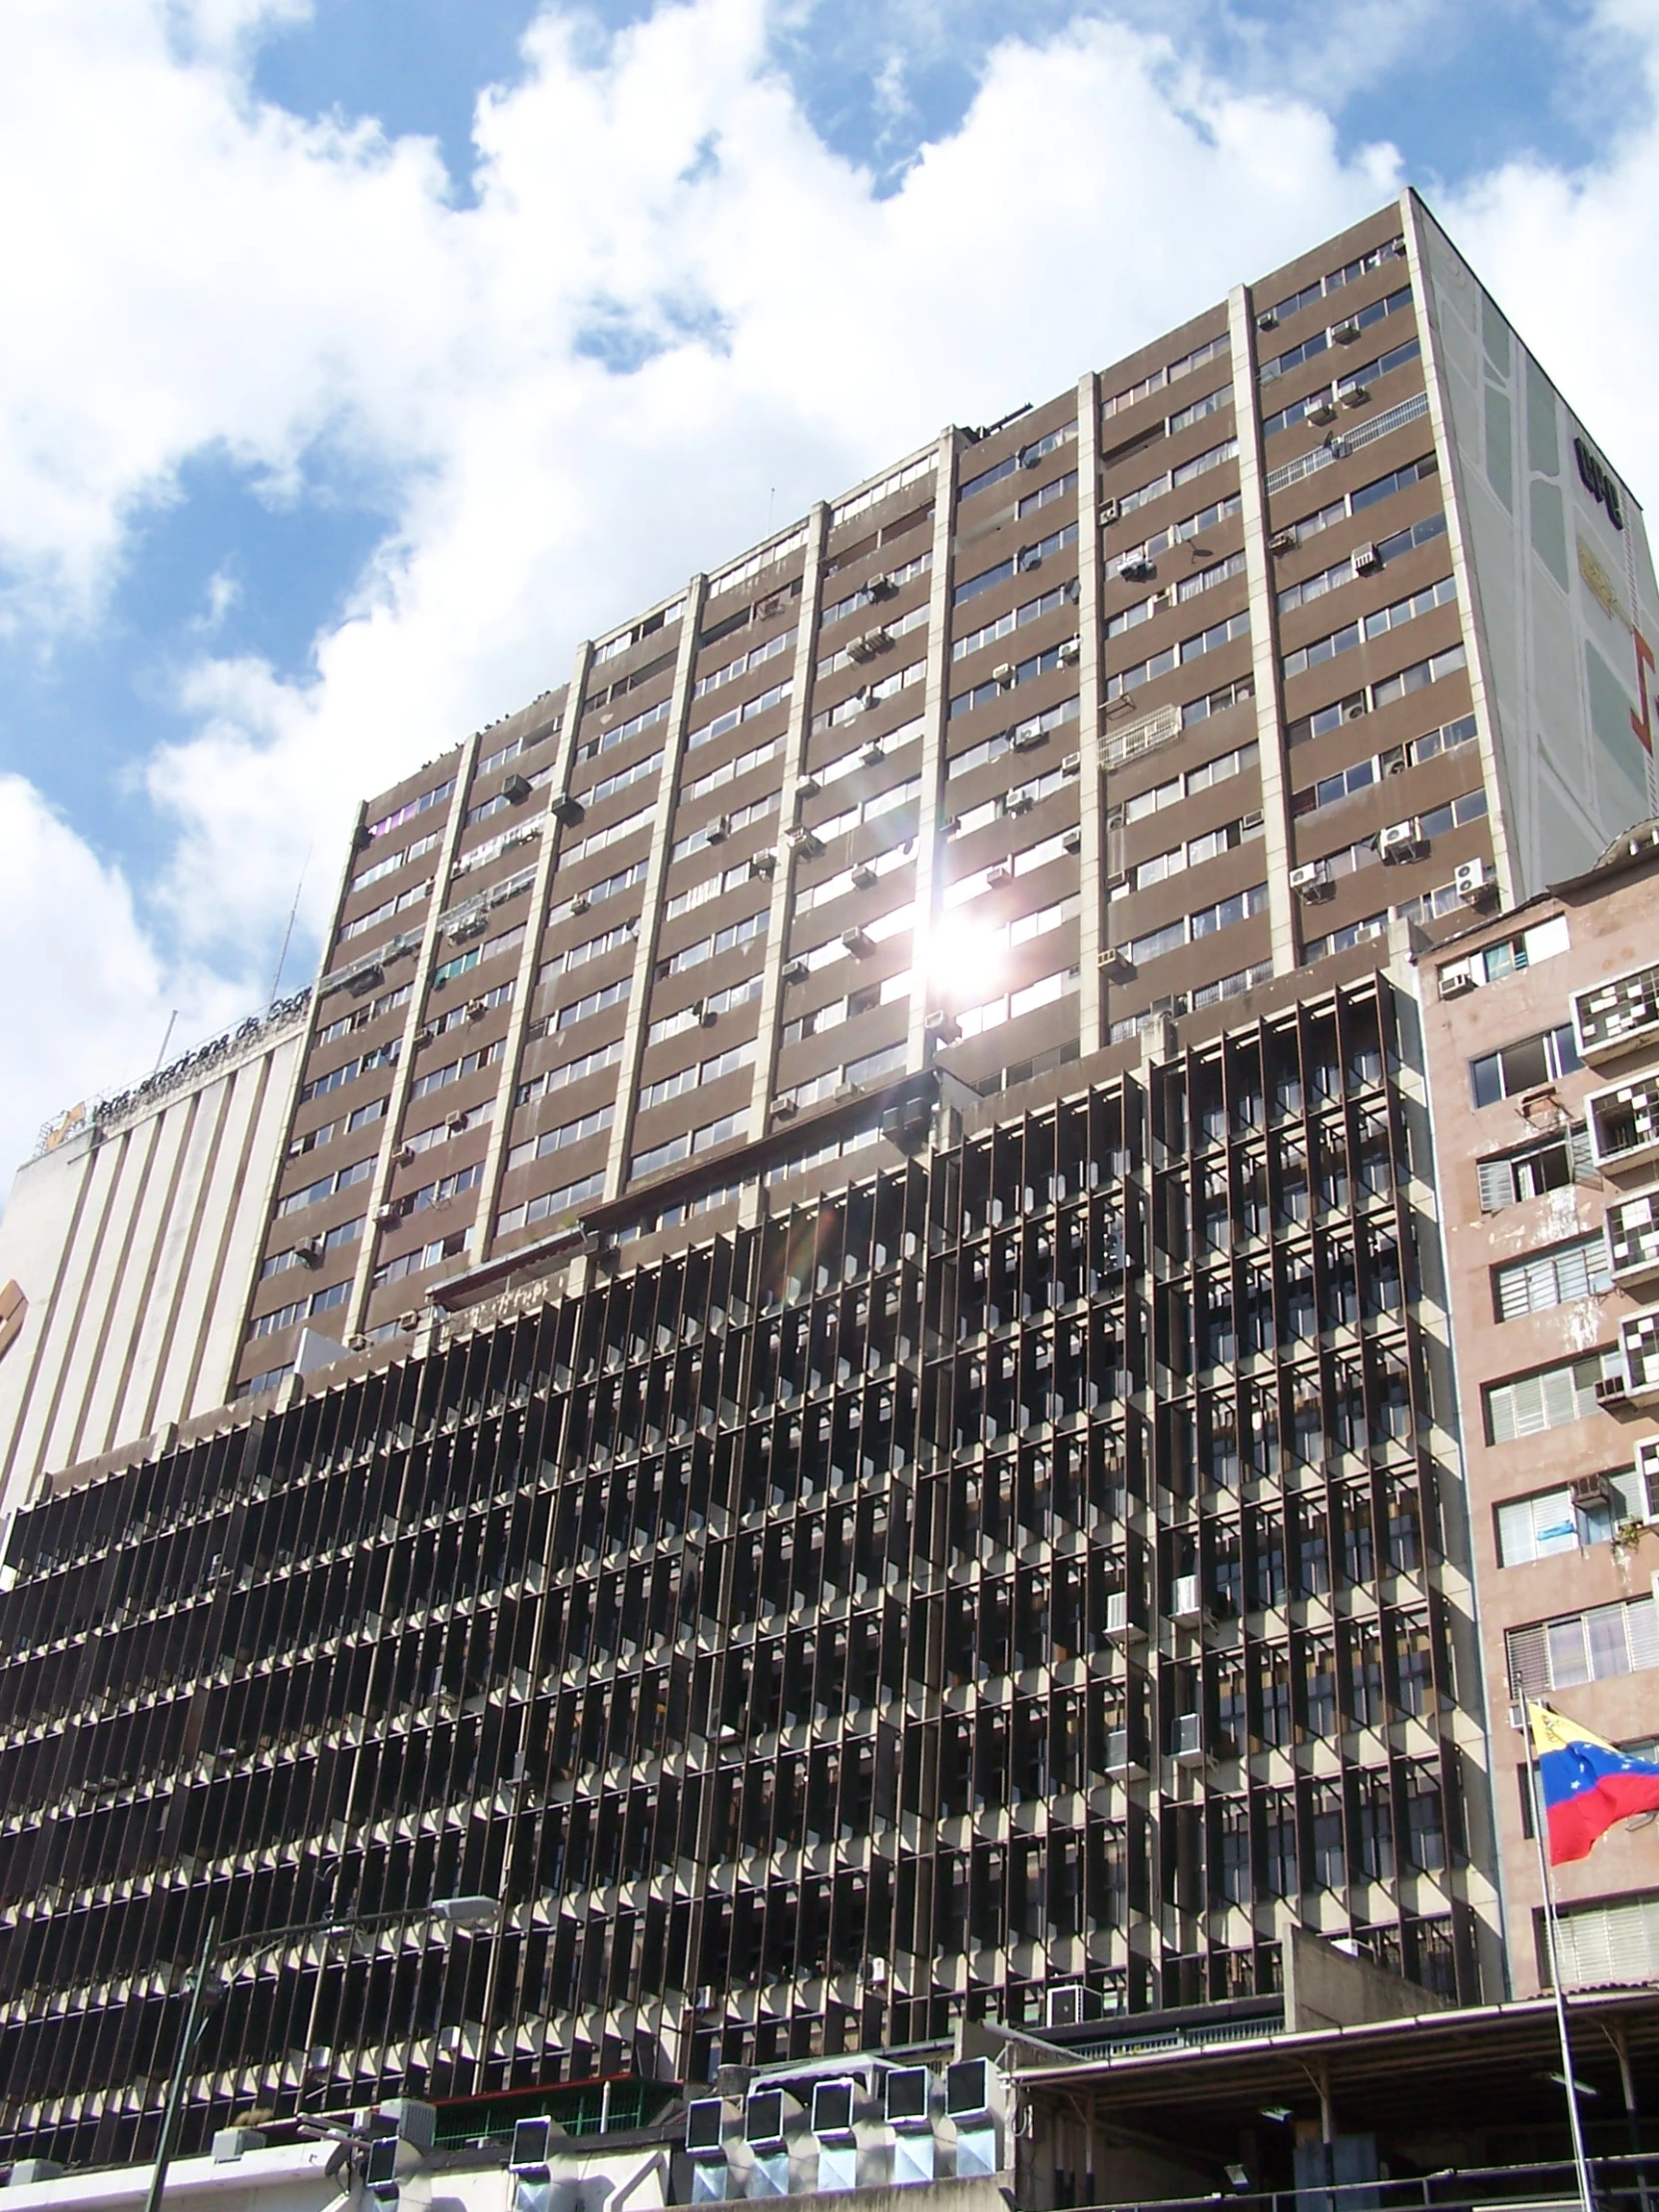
column 345, row 404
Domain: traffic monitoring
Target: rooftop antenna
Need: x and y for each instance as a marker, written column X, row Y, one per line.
column 167, row 1039
column 288, row 933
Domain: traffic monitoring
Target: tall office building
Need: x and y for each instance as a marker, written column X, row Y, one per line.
column 1320, row 610
column 893, row 1453
column 128, row 1247
column 1542, row 1046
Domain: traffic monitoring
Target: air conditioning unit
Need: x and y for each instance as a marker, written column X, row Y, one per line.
column 1120, row 1757
column 867, row 698
column 783, row 1109
column 1472, row 883
column 1366, row 559
column 719, row 830
column 1613, row 1392
column 881, row 587
column 996, row 878
column 404, row 1156
column 1018, row 802
column 389, row 1211
column 1116, row 965
column 765, row 608
column 1067, row 654
column 1004, row 674
column 309, row 1250
column 579, row 902
column 1063, row 2008
column 516, row 790
column 807, row 788
column 1120, row 1627
column 1027, row 739
column 1457, row 980
column 1345, row 331
column 477, row 1010
column 1186, row 1599
column 873, row 642
column 1072, row 765
column 863, row 878
column 1108, row 513
column 707, row 1015
column 568, row 813
column 1187, row 1745
column 1324, row 409
column 796, row 971
column 1282, row 541
column 1138, row 570
column 872, row 754
column 805, row 844
column 424, row 1035
column 943, row 1027
column 1267, row 322
column 1401, row 841
column 1071, row 841
column 457, row 1121
column 858, row 942
column 1355, row 395
column 1250, row 822
column 1589, row 1490
column 876, row 1974
column 1312, row 882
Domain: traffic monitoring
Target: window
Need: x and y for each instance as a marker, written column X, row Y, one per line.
column 550, row 1202
column 1549, row 1398
column 433, row 798
column 1556, row 1521
column 555, row 1079
column 1345, row 572
column 555, row 1140
column 1189, row 649
column 1545, row 1279
column 1062, row 595
column 1523, row 1065
column 1549, row 1164
column 1369, row 626
column 1574, row 1648
column 468, row 1064
column 579, row 1009
column 313, row 1193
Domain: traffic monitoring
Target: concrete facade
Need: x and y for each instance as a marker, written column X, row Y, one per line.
column 1551, row 1264
column 131, row 1239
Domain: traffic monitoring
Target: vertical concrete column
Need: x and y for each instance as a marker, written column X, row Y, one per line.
column 1483, row 687
column 1091, row 869
column 1264, row 637
column 651, row 913
column 794, row 767
column 356, row 1305
column 930, row 803
column 482, row 1234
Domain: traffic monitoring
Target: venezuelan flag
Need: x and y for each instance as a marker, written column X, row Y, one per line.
column 1588, row 1784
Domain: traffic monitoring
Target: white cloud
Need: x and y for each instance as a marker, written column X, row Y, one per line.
column 201, row 270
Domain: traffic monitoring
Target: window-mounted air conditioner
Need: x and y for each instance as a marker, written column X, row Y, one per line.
column 309, row 1250
column 477, row 1010
column 764, row 864
column 1121, row 1627
column 516, row 790
column 1401, row 841
column 1018, row 802
column 998, row 877
column 942, row 1026
column 1004, row 674
column 863, row 878
column 1026, row 741
column 1471, row 881
column 783, row 1109
column 707, row 1015
column 1067, row 653
column 1267, row 322
column 858, row 942
column 1457, row 980
column 1282, row 541
column 1137, row 571
column 457, row 1121
column 1186, row 1599
column 1312, row 882
column 881, row 587
column 1355, row 395
column 795, row 971
column 807, row 788
column 1071, row 841
column 1324, row 409
column 1116, row 965
column 1109, row 511
column 1366, row 559
column 1064, row 2008
column 719, row 830
column 1345, row 331
column 872, row 754
column 579, row 902
column 568, row 811
column 1072, row 765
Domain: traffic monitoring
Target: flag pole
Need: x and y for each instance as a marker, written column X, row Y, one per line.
column 1540, row 1836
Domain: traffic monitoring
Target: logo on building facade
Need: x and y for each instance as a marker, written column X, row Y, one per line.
column 1599, row 481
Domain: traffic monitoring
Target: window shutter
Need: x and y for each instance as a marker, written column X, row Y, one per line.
column 1497, row 1185
column 1528, row 1654
column 1643, row 1624
column 1500, row 1413
column 1583, row 1159
column 1557, row 1398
